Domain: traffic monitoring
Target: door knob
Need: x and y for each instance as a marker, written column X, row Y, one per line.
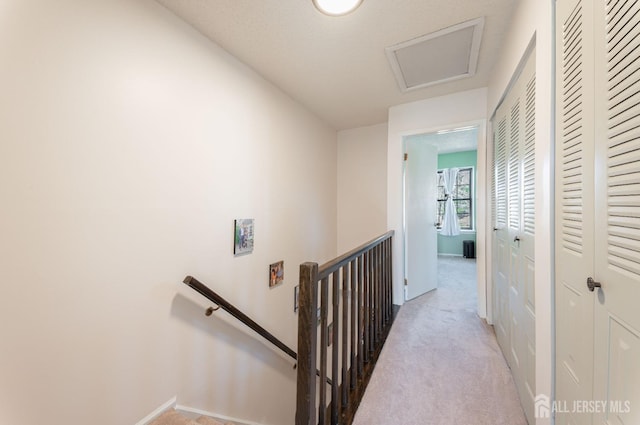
column 516, row 239
column 495, row 229
column 592, row 284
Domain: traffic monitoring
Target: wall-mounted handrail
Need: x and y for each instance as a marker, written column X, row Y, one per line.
column 205, row 291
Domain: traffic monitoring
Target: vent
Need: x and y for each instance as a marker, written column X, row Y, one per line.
column 442, row 56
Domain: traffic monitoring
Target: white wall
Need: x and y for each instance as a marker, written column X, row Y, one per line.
column 128, row 144
column 362, row 180
column 534, row 18
column 468, row 107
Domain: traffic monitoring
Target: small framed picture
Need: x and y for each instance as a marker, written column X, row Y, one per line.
column 296, row 297
column 276, row 274
column 243, row 236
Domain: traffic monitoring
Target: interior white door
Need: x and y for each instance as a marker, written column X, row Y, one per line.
column 574, row 208
column 500, row 236
column 617, row 213
column 527, row 380
column 514, row 231
column 421, row 243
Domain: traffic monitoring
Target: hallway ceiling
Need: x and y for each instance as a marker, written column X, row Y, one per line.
column 337, row 67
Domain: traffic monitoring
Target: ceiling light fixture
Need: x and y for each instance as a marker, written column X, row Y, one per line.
column 336, row 7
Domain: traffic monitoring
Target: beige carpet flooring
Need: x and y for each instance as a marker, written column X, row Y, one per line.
column 441, row 364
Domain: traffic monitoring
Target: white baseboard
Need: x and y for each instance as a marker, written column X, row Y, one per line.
column 159, row 411
column 190, row 411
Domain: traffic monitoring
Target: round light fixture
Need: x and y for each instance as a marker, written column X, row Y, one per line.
column 336, row 7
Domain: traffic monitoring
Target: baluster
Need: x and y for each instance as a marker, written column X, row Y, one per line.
column 345, row 335
column 390, row 277
column 367, row 304
column 361, row 285
column 378, row 314
column 354, row 317
column 387, row 293
column 324, row 301
column 335, row 357
column 385, row 316
column 371, row 302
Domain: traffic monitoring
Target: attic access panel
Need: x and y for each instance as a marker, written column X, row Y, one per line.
column 442, row 56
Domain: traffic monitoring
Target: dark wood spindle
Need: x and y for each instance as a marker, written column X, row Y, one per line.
column 354, row 317
column 360, row 315
column 335, row 346
column 324, row 301
column 367, row 303
column 345, row 334
column 374, row 298
column 379, row 318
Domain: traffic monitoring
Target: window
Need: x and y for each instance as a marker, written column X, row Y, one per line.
column 462, row 198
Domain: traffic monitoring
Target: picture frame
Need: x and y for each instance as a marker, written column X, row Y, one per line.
column 276, row 274
column 243, row 233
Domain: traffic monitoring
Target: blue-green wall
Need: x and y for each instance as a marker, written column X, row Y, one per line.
column 453, row 244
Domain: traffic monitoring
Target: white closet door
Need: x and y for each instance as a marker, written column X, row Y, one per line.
column 617, row 304
column 574, row 207
column 514, row 185
column 500, row 234
column 526, row 277
column 514, row 198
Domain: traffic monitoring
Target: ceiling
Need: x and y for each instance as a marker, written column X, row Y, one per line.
column 337, row 66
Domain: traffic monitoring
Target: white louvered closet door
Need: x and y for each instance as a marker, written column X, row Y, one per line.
column 598, row 203
column 574, row 206
column 500, row 253
column 527, row 244
column 617, row 219
column 514, row 227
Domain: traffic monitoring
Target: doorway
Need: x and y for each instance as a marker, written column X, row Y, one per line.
column 440, row 189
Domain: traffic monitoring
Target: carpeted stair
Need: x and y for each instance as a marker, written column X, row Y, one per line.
column 171, row 417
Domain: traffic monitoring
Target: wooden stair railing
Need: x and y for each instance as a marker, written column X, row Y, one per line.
column 353, row 294
column 212, row 296
column 205, row 291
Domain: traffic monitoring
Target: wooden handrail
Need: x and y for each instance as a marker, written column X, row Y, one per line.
column 331, row 266
column 205, row 291
column 209, row 294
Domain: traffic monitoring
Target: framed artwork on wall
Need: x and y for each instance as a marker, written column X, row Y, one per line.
column 243, row 236
column 276, row 274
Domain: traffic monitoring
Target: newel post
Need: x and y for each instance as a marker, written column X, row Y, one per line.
column 307, row 345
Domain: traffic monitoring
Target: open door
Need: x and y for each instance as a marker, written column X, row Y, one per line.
column 421, row 238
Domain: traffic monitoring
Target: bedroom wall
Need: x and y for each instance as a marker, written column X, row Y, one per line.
column 452, row 245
